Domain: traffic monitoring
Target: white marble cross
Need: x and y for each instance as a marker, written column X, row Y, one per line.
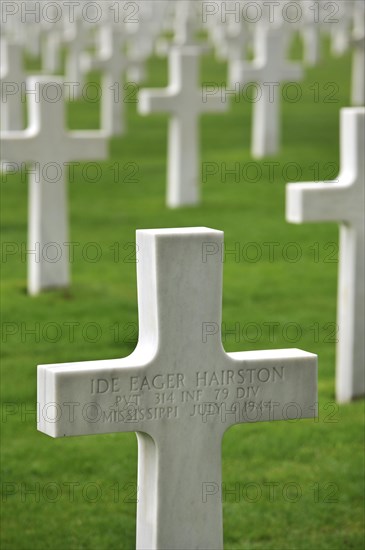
column 269, row 69
column 179, row 390
column 185, row 23
column 52, row 49
column 185, row 101
column 358, row 72
column 342, row 201
column 358, row 58
column 111, row 60
column 184, row 27
column 13, row 77
column 310, row 31
column 142, row 37
column 49, row 148
column 77, row 39
column 340, row 28
column 31, row 35
column 231, row 41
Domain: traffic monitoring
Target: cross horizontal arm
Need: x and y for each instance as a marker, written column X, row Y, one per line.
column 88, row 397
column 315, row 202
column 292, row 72
column 19, row 146
column 242, row 72
column 87, row 145
column 27, row 145
column 211, row 104
column 104, row 63
column 157, row 100
column 273, row 385
column 92, row 63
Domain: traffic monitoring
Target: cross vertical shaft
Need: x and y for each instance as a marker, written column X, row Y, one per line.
column 342, row 201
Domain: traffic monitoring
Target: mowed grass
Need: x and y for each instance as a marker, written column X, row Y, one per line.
column 294, row 485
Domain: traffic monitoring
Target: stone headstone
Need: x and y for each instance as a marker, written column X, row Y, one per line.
column 185, row 101
column 269, row 69
column 342, row 201
column 179, row 390
column 49, row 147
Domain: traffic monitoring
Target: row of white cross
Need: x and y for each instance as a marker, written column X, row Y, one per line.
column 44, row 29
column 268, row 70
column 120, row 49
column 341, row 201
column 46, row 140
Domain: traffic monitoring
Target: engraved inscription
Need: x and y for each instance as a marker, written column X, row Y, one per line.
column 157, row 382
column 202, row 394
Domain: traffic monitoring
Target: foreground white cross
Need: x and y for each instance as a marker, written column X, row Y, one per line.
column 179, row 390
column 342, row 201
column 185, row 101
column 268, row 70
column 49, row 147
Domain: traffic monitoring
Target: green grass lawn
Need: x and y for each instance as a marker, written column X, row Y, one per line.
column 300, row 484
